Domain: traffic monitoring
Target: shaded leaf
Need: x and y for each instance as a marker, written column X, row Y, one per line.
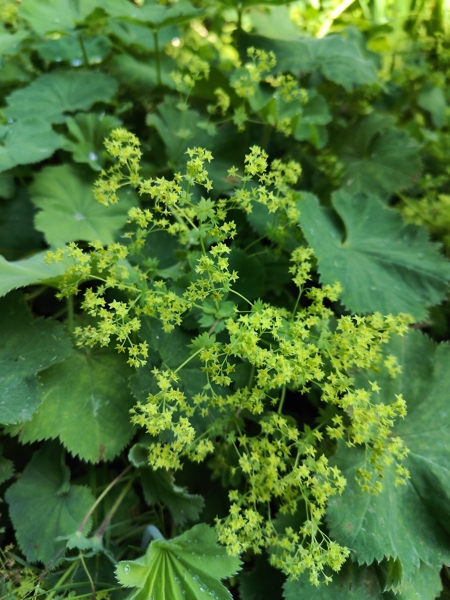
column 159, row 486
column 156, row 15
column 28, row 141
column 53, row 94
column 184, row 568
column 141, row 75
column 263, row 581
column 354, row 582
column 68, row 49
column 86, row 403
column 407, row 522
column 26, row 347
column 17, row 233
column 69, row 211
column 87, row 133
column 382, row 263
column 6, row 467
column 44, row 506
column 378, row 157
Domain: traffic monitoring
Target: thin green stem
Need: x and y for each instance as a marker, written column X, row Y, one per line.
column 86, row 570
column 241, row 296
column 83, row 49
column 61, row 580
column 100, row 498
column 188, row 360
column 70, row 314
column 282, row 399
column 115, row 506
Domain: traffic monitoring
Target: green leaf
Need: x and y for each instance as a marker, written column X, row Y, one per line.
column 382, row 263
column 26, row 347
column 340, row 59
column 28, row 141
column 6, row 467
column 68, row 49
column 188, row 567
column 159, row 486
column 136, row 34
column 29, row 271
column 408, row 522
column 17, row 233
column 365, row 583
column 44, row 506
column 141, row 75
column 251, row 282
column 87, row 133
column 53, row 94
column 352, row 583
column 263, row 581
column 377, row 157
column 10, row 42
column 48, row 16
column 154, row 14
column 86, row 403
column 69, row 211
column 432, row 99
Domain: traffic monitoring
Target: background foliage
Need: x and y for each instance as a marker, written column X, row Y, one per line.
column 358, row 95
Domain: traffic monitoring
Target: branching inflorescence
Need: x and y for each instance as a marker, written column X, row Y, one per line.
column 299, row 348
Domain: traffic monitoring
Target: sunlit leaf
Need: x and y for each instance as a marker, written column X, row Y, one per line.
column 53, row 94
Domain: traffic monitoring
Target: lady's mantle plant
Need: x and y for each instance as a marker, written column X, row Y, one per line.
column 225, row 385
column 296, row 348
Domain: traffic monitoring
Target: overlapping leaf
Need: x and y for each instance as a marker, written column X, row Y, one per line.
column 358, row 583
column 48, row 16
column 411, row 522
column 44, row 506
column 17, row 234
column 28, row 141
column 6, row 467
column 53, row 94
column 86, row 403
column 29, row 271
column 339, row 58
column 26, row 347
column 382, row 263
column 378, row 158
column 69, row 211
column 187, row 567
column 158, row 486
column 87, row 133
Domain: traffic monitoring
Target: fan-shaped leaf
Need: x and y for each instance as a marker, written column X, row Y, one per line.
column 69, row 211
column 187, row 567
column 44, row 506
column 409, row 522
column 28, row 141
column 86, row 403
column 382, row 263
column 53, row 94
column 26, row 347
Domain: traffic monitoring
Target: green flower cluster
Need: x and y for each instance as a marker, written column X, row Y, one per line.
column 295, row 349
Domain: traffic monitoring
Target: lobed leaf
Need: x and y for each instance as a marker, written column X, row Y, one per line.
column 53, row 94
column 69, row 211
column 43, row 505
column 26, row 348
column 28, row 141
column 409, row 522
column 86, row 403
column 382, row 264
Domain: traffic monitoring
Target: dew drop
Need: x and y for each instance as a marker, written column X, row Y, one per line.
column 10, row 120
column 126, row 569
column 75, row 62
column 58, row 59
column 56, row 20
column 92, row 156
